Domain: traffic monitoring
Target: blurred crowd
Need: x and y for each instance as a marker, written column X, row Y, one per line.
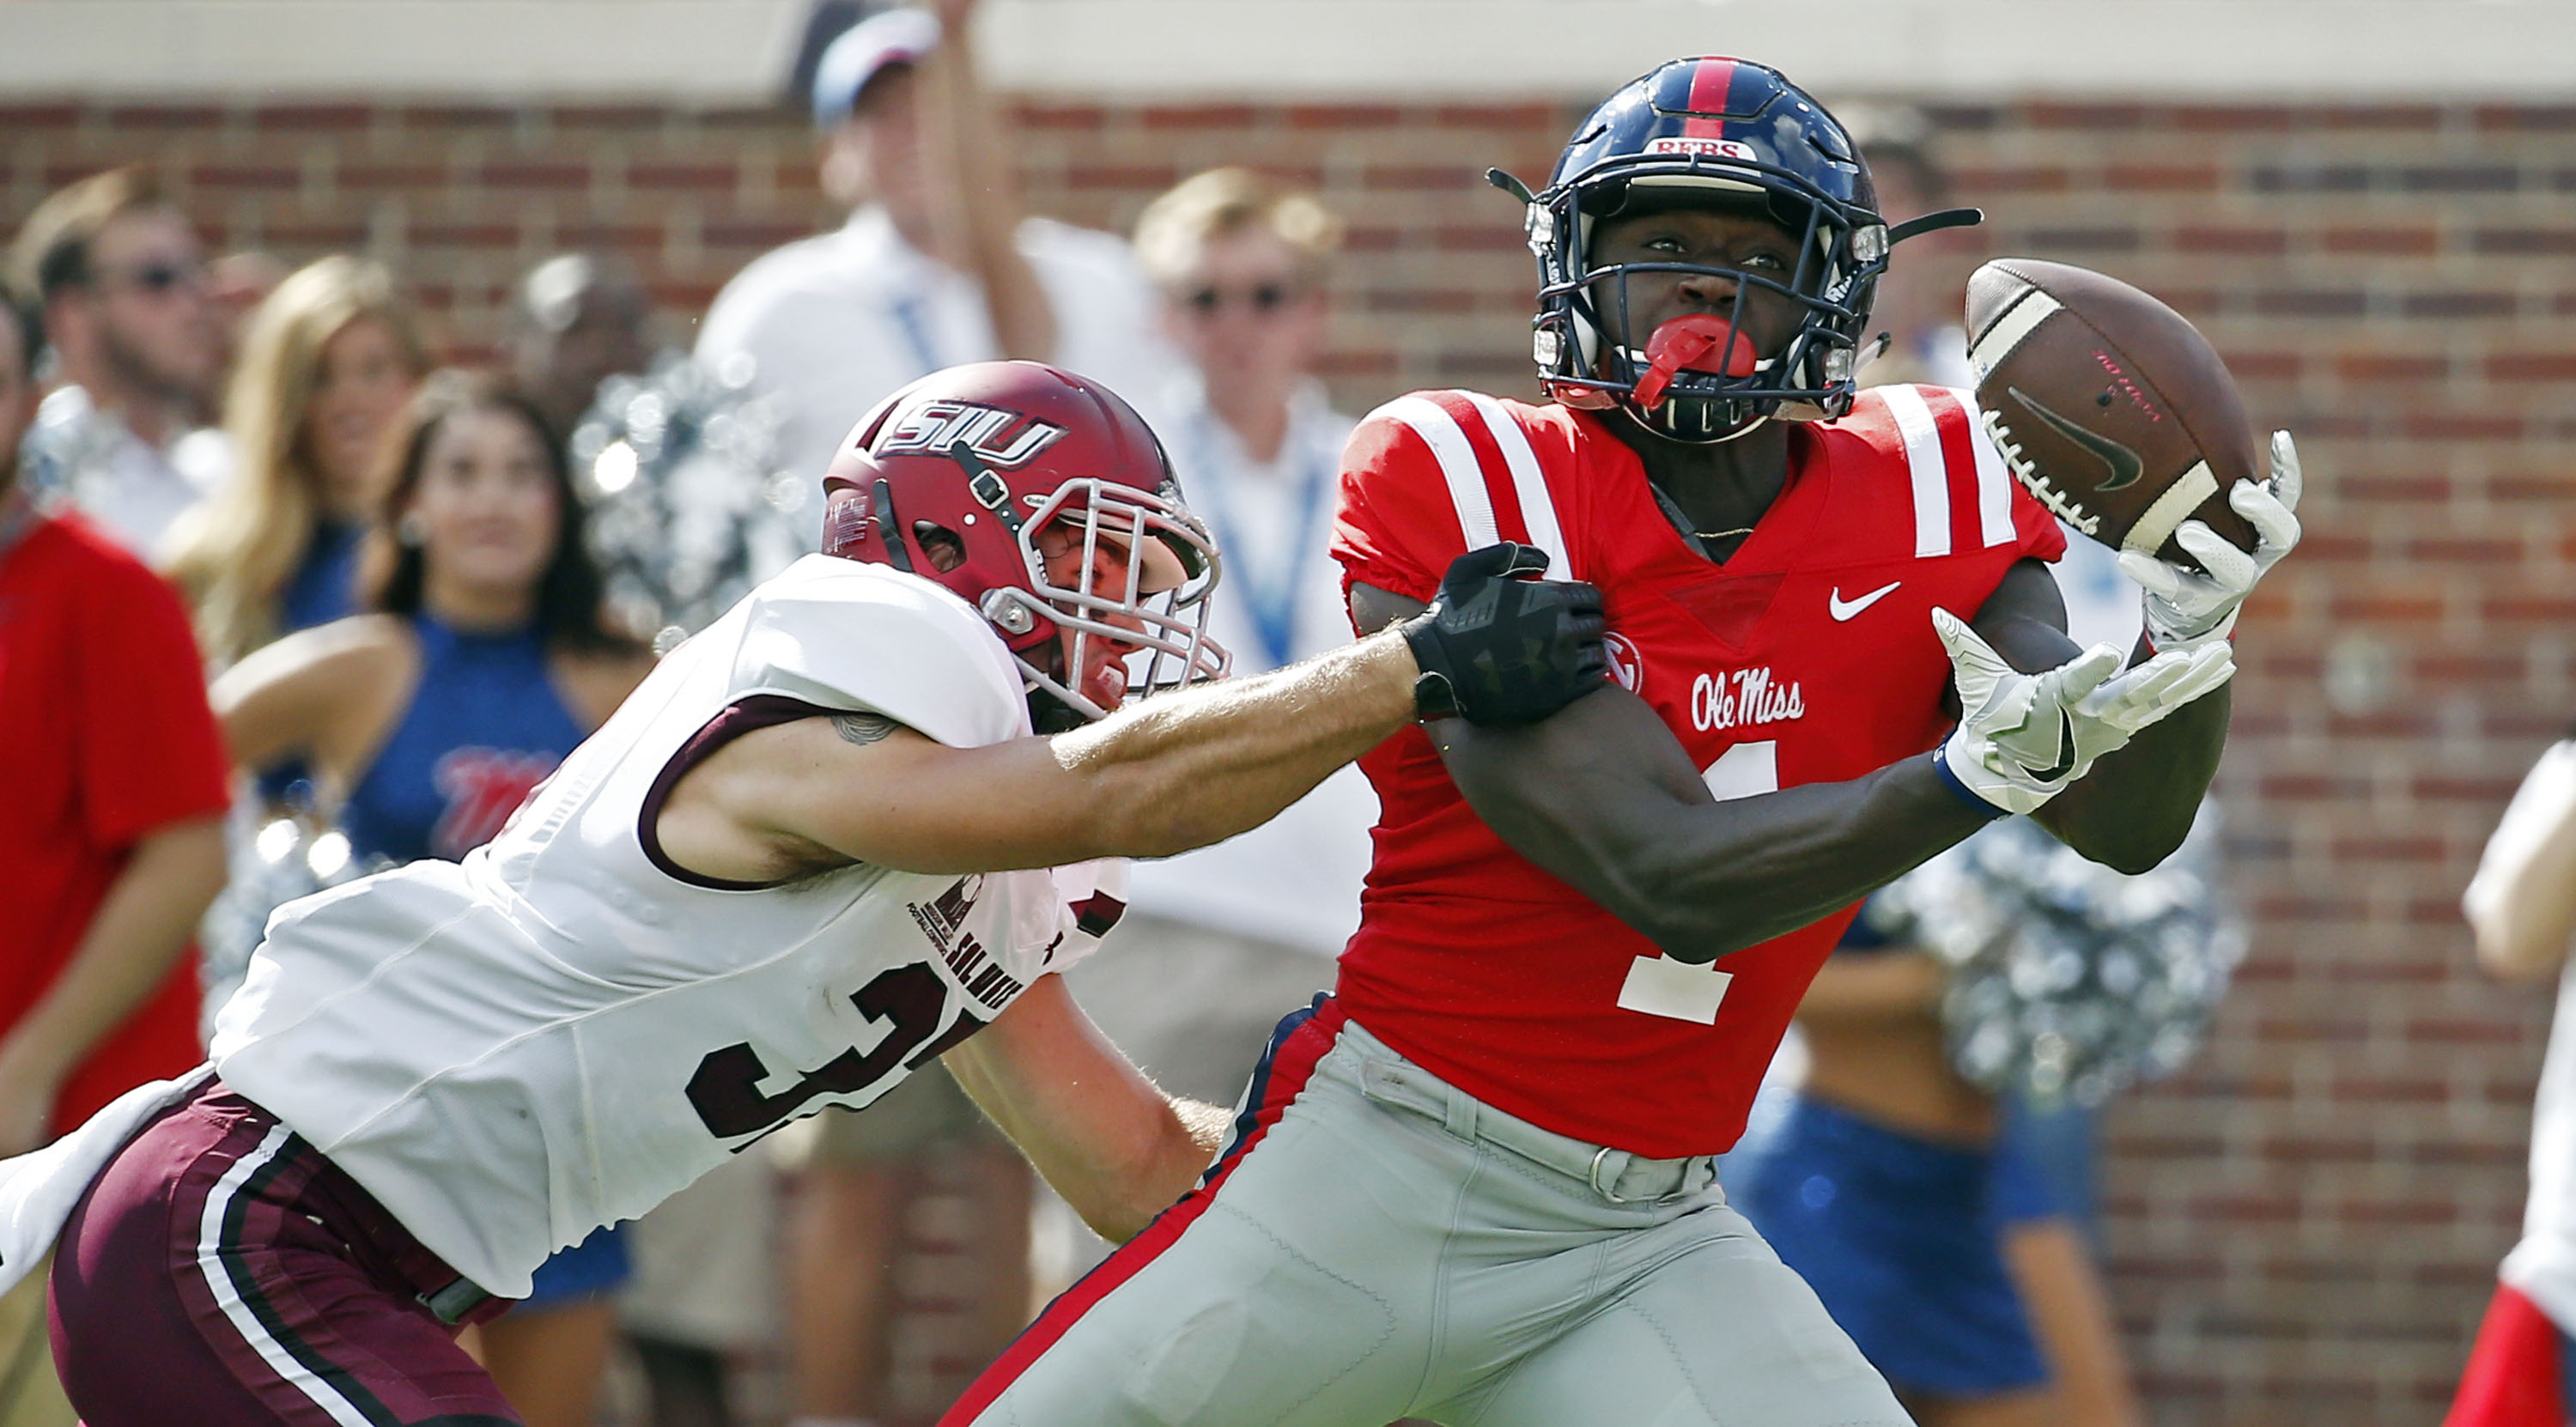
column 281, row 600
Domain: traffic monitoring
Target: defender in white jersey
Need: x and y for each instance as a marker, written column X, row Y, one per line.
column 820, row 846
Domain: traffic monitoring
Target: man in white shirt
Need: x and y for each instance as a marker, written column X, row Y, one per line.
column 937, row 266
column 123, row 281
column 1222, row 942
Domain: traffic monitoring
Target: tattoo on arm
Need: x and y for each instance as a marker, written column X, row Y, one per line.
column 862, row 728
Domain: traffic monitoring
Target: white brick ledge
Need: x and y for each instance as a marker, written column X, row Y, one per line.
column 734, row 51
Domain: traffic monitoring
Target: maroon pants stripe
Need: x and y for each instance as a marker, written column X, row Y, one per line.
column 1301, row 1040
column 222, row 1272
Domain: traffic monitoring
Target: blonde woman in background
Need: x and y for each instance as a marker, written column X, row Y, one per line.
column 329, row 361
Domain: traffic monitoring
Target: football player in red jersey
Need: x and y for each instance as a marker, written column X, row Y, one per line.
column 1474, row 1185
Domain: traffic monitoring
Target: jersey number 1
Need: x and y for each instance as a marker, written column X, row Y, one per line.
column 726, row 1088
column 1660, row 986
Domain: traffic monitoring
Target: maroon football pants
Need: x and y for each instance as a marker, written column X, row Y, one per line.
column 221, row 1272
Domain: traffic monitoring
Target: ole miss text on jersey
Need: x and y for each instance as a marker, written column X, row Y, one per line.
column 1807, row 657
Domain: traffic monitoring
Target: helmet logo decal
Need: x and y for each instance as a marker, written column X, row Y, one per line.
column 1005, row 440
column 1702, row 148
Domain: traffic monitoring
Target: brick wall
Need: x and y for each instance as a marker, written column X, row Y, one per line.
column 2303, row 1228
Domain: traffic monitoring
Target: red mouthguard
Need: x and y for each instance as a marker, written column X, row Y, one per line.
column 1684, row 344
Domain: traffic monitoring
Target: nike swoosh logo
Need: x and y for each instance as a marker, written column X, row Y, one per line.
column 2065, row 752
column 2124, row 463
column 1841, row 610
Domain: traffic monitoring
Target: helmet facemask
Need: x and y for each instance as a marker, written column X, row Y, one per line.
column 1709, row 132
column 1714, row 382
column 1155, row 615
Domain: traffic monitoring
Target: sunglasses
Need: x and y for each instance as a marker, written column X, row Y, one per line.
column 1264, row 298
column 160, row 279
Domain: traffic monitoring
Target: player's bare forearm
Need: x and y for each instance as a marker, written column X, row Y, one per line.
column 1162, row 776
column 1603, row 796
column 1118, row 1149
column 2136, row 805
column 1188, row 770
column 141, row 927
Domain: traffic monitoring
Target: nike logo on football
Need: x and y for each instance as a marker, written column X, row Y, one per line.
column 1842, row 609
column 2065, row 752
column 2124, row 463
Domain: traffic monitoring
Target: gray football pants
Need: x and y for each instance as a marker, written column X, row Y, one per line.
column 1378, row 1244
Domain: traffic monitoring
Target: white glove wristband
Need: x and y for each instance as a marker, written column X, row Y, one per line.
column 1969, row 782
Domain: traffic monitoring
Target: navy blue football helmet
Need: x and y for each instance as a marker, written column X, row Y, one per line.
column 1718, row 133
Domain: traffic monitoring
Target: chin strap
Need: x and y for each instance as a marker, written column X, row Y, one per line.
column 988, row 489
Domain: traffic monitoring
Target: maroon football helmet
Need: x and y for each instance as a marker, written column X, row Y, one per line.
column 954, row 477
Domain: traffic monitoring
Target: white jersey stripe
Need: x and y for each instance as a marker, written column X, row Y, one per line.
column 219, row 1281
column 1448, row 441
column 1925, row 463
column 1994, row 484
column 1538, row 508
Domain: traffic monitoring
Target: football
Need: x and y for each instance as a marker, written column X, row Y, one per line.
column 2108, row 405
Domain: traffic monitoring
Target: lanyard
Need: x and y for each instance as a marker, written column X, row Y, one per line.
column 916, row 333
column 1272, row 602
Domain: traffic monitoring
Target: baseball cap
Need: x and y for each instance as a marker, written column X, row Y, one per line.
column 887, row 37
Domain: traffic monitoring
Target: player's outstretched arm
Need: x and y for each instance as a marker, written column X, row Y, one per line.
column 1118, row 1150
column 1159, row 777
column 1604, row 796
column 1172, row 773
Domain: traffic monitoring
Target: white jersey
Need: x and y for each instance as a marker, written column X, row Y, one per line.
column 566, row 1028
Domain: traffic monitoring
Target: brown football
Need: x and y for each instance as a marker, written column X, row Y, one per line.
column 2108, row 405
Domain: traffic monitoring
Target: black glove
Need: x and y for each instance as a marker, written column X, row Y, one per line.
column 1497, row 647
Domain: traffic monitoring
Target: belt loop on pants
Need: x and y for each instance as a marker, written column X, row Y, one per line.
column 1458, row 1115
column 456, row 1302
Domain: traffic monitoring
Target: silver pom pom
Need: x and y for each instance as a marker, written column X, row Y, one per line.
column 688, row 509
column 277, row 863
column 2068, row 980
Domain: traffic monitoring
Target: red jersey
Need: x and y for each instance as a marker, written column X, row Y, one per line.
column 1808, row 657
column 108, row 738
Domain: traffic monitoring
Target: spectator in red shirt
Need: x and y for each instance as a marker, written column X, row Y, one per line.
column 111, row 829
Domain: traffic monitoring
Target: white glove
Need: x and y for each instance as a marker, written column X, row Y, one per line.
column 2186, row 607
column 2022, row 738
